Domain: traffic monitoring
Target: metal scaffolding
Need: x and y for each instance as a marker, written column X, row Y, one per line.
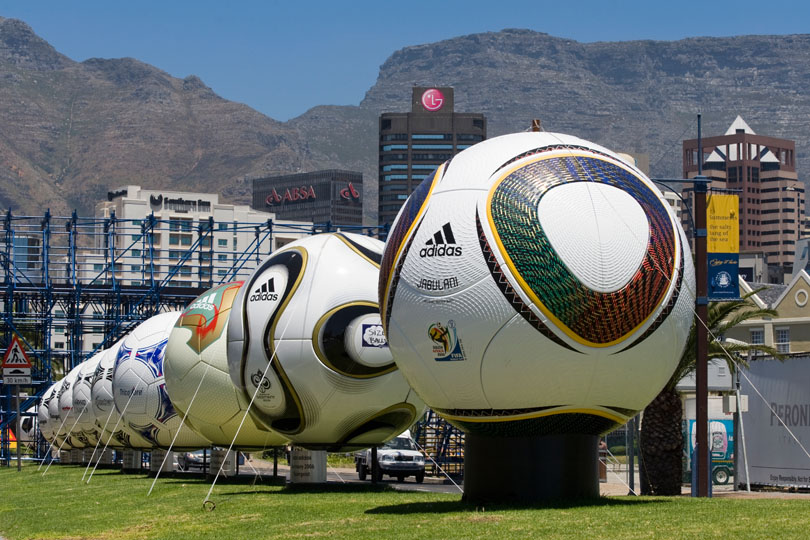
column 72, row 286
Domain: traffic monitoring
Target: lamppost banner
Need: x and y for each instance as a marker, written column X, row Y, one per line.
column 723, row 235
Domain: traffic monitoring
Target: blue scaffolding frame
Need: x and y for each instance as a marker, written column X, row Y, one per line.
column 92, row 276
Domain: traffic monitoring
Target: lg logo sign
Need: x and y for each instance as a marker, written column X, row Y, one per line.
column 432, row 99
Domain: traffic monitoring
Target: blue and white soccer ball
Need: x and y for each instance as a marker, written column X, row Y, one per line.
column 139, row 388
column 112, row 430
column 537, row 284
column 305, row 338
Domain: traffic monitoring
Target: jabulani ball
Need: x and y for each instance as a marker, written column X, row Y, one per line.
column 537, row 284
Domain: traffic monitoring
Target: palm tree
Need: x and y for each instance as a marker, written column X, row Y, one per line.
column 661, row 438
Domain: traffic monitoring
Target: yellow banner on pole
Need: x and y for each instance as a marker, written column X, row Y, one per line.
column 722, row 224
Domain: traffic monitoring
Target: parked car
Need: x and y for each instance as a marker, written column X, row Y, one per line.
column 398, row 457
column 192, row 460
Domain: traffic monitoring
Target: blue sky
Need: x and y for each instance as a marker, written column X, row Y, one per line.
column 282, row 58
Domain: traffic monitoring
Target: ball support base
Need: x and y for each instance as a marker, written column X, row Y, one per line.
column 530, row 469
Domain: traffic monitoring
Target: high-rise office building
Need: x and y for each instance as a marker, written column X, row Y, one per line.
column 413, row 144
column 762, row 171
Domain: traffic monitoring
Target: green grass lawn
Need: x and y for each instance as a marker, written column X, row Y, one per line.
column 115, row 506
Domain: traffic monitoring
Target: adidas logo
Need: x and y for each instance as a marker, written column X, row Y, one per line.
column 206, row 302
column 443, row 244
column 267, row 292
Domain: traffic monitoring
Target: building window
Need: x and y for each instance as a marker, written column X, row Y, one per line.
column 432, row 146
column 757, row 336
column 223, row 226
column 98, row 267
column 395, row 167
column 432, row 136
column 389, row 147
column 58, row 344
column 222, row 257
column 782, row 342
column 222, row 242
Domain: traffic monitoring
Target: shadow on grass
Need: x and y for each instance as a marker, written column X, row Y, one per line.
column 443, row 507
column 224, row 481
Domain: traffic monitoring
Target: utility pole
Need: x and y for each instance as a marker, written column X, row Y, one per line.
column 701, row 331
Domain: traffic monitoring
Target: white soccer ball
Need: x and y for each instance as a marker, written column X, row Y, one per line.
column 28, row 427
column 82, row 397
column 68, row 415
column 139, row 388
column 112, row 430
column 305, row 339
column 537, row 284
column 196, row 368
column 58, row 428
column 47, row 426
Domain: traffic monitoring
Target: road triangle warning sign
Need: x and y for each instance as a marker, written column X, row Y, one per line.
column 15, row 356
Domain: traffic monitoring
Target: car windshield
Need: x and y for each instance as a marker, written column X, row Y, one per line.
column 400, row 443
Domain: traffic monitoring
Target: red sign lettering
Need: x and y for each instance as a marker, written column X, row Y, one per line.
column 350, row 193
column 295, row 194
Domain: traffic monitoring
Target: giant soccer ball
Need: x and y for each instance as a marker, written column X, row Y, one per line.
column 86, row 428
column 28, row 427
column 112, row 429
column 536, row 284
column 55, row 421
column 197, row 379
column 139, row 388
column 47, row 427
column 310, row 311
column 68, row 415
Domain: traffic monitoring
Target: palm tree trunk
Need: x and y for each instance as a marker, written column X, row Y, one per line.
column 661, row 445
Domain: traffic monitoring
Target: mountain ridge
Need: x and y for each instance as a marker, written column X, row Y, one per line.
column 78, row 129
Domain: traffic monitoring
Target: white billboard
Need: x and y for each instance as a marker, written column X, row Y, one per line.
column 775, row 457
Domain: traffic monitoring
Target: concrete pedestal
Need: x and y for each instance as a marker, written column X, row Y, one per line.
column 307, row 466
column 132, row 461
column 222, row 458
column 106, row 457
column 160, row 461
column 529, row 469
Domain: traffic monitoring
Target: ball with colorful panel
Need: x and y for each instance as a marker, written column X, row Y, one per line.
column 139, row 388
column 305, row 344
column 537, row 284
column 82, row 400
column 112, row 430
column 197, row 379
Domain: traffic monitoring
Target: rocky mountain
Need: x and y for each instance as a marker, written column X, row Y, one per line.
column 71, row 131
column 639, row 96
